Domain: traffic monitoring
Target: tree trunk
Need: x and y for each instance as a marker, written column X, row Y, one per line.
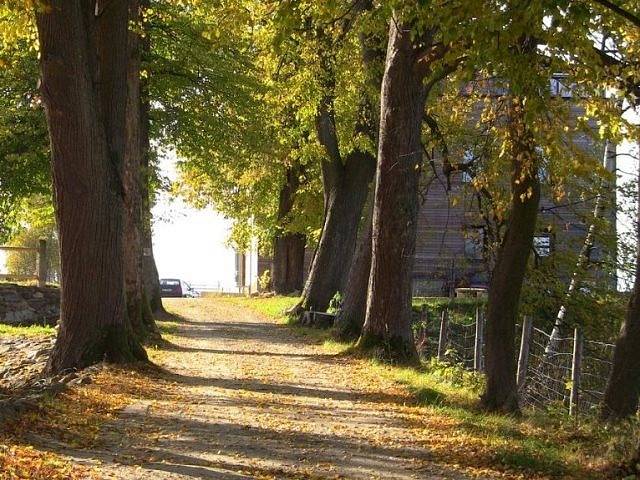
column 350, row 319
column 83, row 64
column 623, row 387
column 501, row 392
column 345, row 198
column 138, row 308
column 150, row 271
column 288, row 263
column 387, row 325
column 150, row 275
column 348, row 323
column 288, row 252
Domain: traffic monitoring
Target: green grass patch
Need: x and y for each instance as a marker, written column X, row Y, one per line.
column 321, row 336
column 167, row 327
column 272, row 307
column 538, row 443
column 30, row 331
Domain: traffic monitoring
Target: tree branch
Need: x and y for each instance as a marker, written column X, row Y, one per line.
column 626, row 14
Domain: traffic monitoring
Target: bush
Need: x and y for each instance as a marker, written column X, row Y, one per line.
column 264, row 281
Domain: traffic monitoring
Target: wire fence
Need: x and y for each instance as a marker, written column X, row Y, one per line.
column 565, row 372
column 548, row 378
column 596, row 367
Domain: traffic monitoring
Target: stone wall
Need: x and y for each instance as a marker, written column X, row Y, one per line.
column 27, row 305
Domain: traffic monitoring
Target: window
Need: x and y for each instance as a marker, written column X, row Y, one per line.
column 559, row 87
column 543, row 172
column 542, row 245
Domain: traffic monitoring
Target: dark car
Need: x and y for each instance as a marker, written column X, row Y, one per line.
column 173, row 287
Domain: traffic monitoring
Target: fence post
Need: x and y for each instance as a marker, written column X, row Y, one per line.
column 478, row 358
column 525, row 344
column 42, row 263
column 576, row 370
column 442, row 340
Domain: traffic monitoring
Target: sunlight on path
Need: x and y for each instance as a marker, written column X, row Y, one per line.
column 253, row 400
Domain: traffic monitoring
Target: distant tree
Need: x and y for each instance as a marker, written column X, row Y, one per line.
column 37, row 221
column 24, row 145
column 289, row 247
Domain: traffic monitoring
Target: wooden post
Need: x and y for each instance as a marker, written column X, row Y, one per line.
column 478, row 358
column 442, row 341
column 525, row 344
column 42, row 263
column 576, row 370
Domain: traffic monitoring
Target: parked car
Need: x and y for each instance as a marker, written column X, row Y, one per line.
column 173, row 287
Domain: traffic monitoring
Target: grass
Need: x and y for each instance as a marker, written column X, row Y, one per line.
column 30, row 331
column 167, row 327
column 536, row 444
column 272, row 307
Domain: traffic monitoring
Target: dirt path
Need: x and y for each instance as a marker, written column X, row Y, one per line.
column 251, row 399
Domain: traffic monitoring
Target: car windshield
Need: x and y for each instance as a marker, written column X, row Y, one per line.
column 170, row 283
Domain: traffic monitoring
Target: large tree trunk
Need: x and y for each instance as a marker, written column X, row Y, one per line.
column 138, row 308
column 387, row 325
column 83, row 63
column 288, row 252
column 350, row 319
column 344, row 201
column 623, row 387
column 501, row 392
column 349, row 322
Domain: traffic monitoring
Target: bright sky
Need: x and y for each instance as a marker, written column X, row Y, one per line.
column 628, row 156
column 190, row 244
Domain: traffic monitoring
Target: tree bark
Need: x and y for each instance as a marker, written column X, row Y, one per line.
column 345, row 198
column 350, row 319
column 387, row 325
column 501, row 393
column 150, row 276
column 288, row 263
column 83, row 65
column 138, row 308
column 288, row 254
column 623, row 386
